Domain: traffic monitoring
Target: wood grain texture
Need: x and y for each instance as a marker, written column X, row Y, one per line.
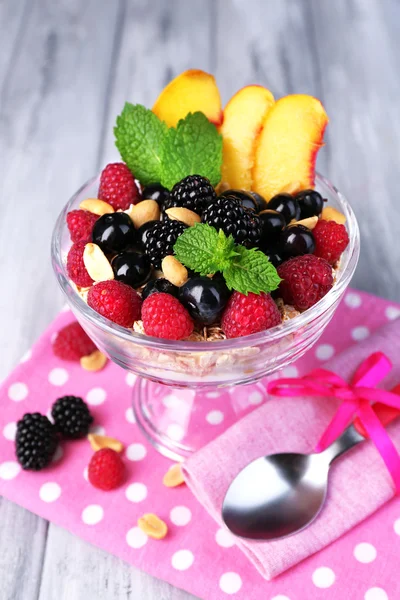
column 66, row 68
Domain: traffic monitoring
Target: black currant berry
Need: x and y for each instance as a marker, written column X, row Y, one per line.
column 311, row 203
column 157, row 192
column 204, row 298
column 296, row 240
column 114, row 233
column 161, row 286
column 287, row 205
column 131, row 268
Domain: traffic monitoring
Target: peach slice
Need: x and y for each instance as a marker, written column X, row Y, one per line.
column 286, row 149
column 191, row 91
column 244, row 116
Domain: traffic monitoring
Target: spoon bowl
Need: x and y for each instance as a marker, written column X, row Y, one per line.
column 287, row 493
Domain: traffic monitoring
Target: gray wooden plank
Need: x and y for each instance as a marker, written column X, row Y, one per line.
column 74, row 569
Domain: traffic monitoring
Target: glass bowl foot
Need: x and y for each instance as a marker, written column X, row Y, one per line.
column 177, row 422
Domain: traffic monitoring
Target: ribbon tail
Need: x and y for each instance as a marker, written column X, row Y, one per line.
column 382, row 441
column 338, row 424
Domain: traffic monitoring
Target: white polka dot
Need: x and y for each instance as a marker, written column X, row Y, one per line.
column 9, row 431
column 230, row 583
column 136, row 492
column 280, row 597
column 224, row 538
column 255, row 398
column 27, row 356
column 18, row 391
column 324, row 352
column 86, row 473
column 323, row 577
column 376, row 593
column 136, row 452
column 359, row 333
column 215, row 417
column 175, row 432
column 130, row 379
column 50, row 491
column 290, row 371
column 213, row 394
column 136, row 538
column 92, row 514
column 9, row 470
column 396, row 526
column 97, row 430
column 171, row 401
column 392, row 312
column 59, row 453
column 180, row 515
column 365, row 552
column 129, row 416
column 96, row 396
column 182, row 560
column 58, row 376
column 352, row 300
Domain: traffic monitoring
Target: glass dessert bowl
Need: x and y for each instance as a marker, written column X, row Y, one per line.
column 178, row 382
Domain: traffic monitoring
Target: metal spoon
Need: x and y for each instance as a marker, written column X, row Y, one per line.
column 278, row 495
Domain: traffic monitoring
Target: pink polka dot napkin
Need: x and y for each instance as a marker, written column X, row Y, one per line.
column 197, row 554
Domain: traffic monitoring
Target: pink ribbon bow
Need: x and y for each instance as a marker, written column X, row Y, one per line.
column 357, row 397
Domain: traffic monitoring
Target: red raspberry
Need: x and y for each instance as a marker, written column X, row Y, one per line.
column 106, row 469
column 80, row 224
column 249, row 314
column 306, row 279
column 76, row 267
column 72, row 342
column 331, row 240
column 164, row 317
column 118, row 187
column 116, row 301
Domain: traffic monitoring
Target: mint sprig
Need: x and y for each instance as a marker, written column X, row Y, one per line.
column 158, row 154
column 140, row 137
column 206, row 251
column 194, row 147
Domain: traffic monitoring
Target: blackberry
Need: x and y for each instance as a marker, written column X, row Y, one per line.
column 71, row 417
column 160, row 240
column 36, row 441
column 194, row 192
column 228, row 214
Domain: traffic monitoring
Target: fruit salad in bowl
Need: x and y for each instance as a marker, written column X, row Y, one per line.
column 212, row 254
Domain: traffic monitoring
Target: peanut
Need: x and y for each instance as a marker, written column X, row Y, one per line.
column 310, row 222
column 332, row 214
column 173, row 477
column 96, row 263
column 153, row 526
column 96, row 206
column 174, row 271
column 184, row 215
column 141, row 213
column 98, row 442
column 93, row 362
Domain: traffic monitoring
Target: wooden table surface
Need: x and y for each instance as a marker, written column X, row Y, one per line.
column 66, row 68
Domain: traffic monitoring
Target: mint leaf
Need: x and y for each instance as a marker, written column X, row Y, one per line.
column 251, row 271
column 194, row 147
column 139, row 137
column 203, row 249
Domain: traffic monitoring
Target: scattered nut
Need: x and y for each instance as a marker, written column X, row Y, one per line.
column 102, row 441
column 96, row 263
column 332, row 214
column 292, row 188
column 223, row 186
column 96, row 206
column 184, row 215
column 141, row 213
column 93, row 362
column 153, row 526
column 174, row 271
column 310, row 222
column 173, row 477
